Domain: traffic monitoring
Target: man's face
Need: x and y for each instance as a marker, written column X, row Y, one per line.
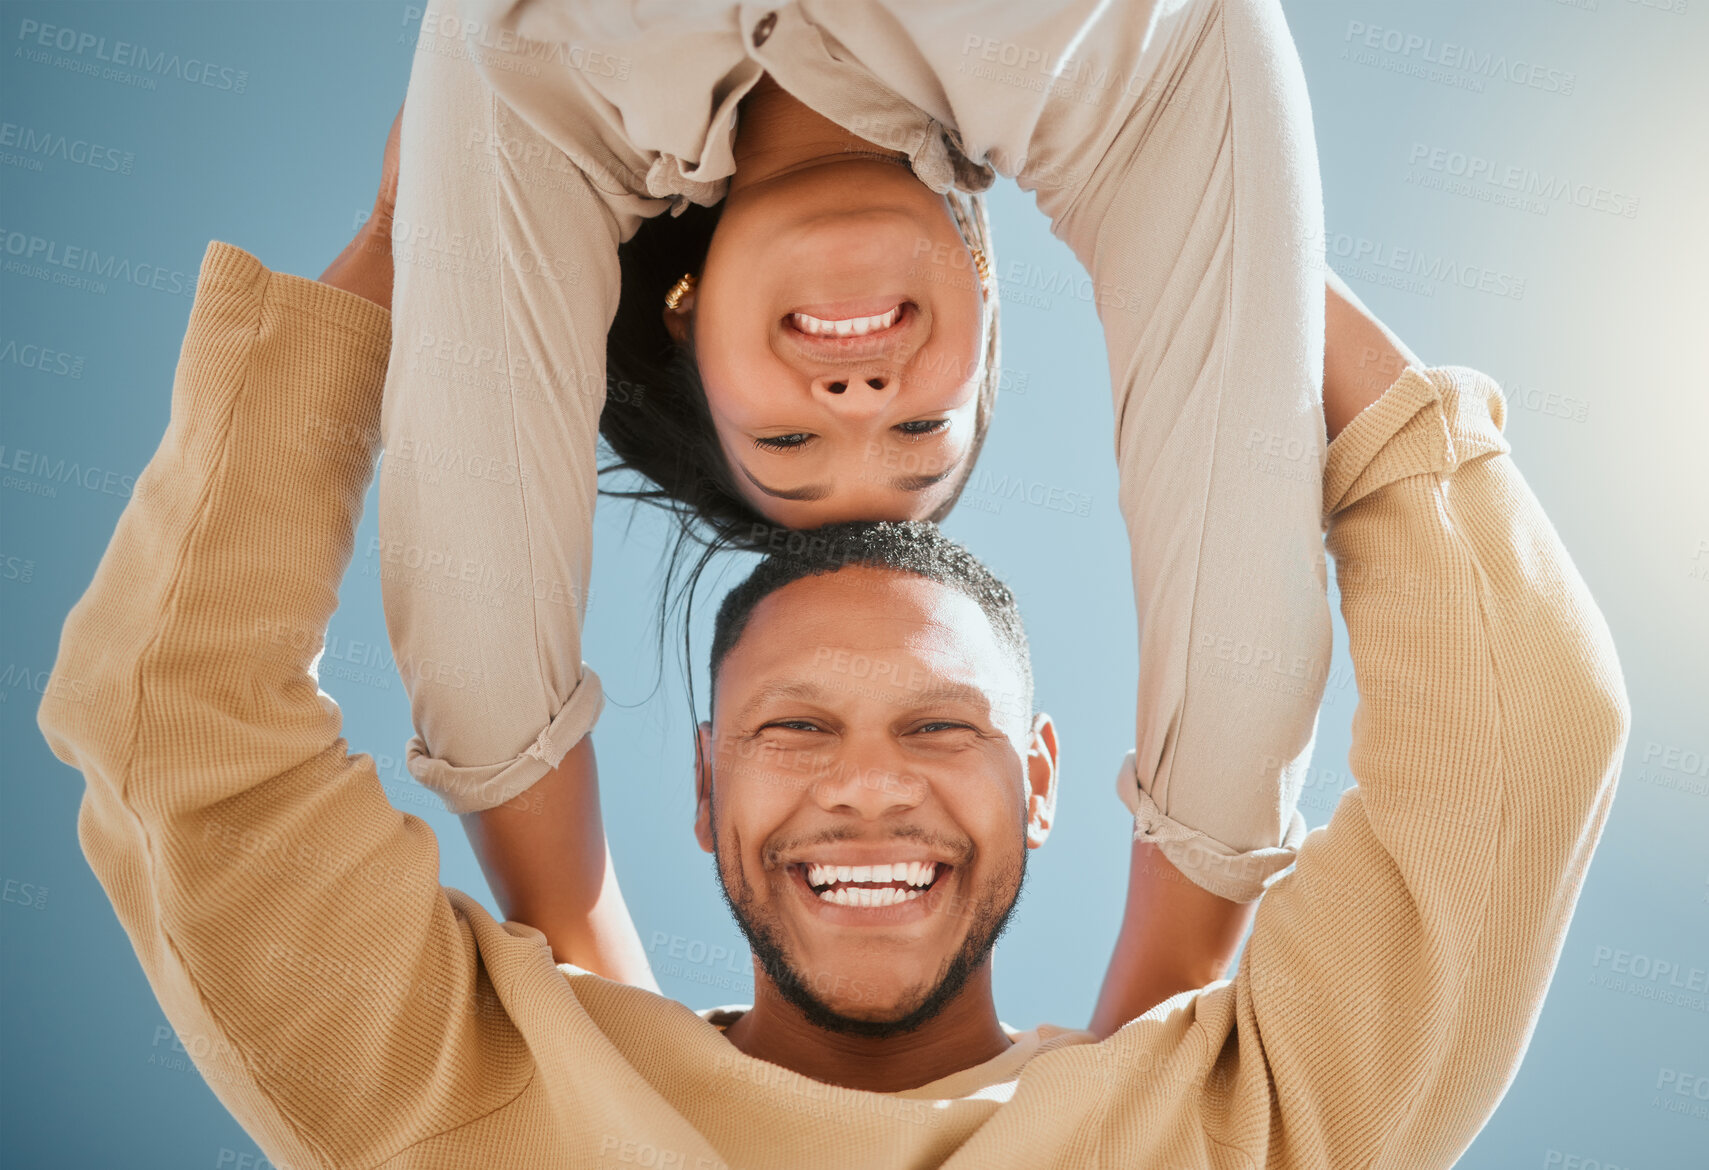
column 869, row 718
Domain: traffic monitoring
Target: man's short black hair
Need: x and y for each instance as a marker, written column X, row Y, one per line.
column 917, row 547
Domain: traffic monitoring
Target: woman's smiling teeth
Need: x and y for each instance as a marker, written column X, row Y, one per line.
column 871, row 885
column 848, row 327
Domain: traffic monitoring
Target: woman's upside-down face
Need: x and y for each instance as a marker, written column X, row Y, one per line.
column 839, row 326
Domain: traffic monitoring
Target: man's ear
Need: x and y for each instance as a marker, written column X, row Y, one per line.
column 1041, row 780
column 703, row 786
column 677, row 319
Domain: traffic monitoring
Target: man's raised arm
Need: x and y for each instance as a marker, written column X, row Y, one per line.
column 1392, row 980
column 289, row 920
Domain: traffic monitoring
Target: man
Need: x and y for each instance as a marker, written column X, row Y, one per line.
column 352, row 1012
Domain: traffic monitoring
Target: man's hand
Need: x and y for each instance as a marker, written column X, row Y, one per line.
column 365, row 265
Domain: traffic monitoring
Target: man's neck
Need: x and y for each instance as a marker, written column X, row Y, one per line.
column 776, row 135
column 964, row 1034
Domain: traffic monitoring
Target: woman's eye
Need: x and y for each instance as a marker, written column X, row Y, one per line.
column 782, row 442
column 923, row 426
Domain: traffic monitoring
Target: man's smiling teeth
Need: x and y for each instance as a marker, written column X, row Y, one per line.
column 915, row 873
column 838, row 879
column 861, row 896
column 849, row 327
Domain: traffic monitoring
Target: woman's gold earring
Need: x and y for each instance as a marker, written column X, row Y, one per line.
column 679, row 290
column 983, row 266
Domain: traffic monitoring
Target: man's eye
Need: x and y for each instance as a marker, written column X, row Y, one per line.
column 782, row 442
column 943, row 725
column 793, row 725
column 923, row 426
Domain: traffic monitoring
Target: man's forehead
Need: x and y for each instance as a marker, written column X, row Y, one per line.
column 875, row 626
column 872, row 611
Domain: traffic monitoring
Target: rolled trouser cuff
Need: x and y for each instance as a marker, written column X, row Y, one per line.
column 477, row 787
column 1236, row 874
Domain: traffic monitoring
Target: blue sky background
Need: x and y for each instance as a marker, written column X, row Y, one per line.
column 1591, row 317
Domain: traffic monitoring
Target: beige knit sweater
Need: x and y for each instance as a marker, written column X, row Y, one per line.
column 352, row 1012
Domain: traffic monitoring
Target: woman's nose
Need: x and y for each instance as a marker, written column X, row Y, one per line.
column 856, row 392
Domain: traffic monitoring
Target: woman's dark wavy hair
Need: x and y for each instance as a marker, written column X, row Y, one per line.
column 658, row 425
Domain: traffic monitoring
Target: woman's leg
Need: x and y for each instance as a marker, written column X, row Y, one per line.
column 1202, row 229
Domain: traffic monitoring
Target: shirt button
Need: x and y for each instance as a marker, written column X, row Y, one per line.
column 762, row 30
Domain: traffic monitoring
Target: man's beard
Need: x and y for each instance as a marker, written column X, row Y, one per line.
column 990, row 916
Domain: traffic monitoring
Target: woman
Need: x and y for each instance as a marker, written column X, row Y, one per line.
column 836, row 347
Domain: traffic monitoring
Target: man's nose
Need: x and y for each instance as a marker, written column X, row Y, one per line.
column 868, row 784
column 857, row 393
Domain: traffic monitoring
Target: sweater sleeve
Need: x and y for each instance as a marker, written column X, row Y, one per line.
column 1391, row 982
column 289, row 920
